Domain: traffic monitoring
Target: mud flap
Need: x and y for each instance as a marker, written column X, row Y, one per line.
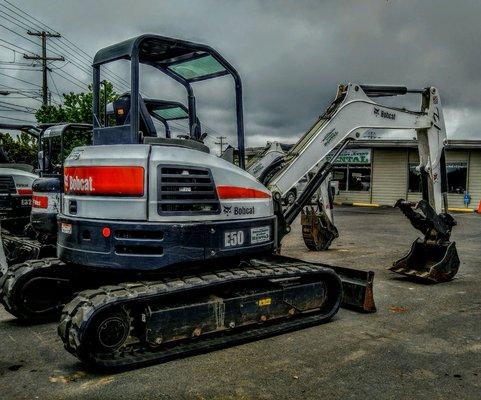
column 429, row 262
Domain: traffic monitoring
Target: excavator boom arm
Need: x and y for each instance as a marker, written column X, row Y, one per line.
column 347, row 119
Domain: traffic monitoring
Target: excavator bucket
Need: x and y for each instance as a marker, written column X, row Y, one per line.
column 433, row 259
column 318, row 231
column 430, row 262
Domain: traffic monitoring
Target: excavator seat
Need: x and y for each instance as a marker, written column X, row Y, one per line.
column 122, row 115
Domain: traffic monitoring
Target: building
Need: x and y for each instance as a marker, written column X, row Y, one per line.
column 379, row 172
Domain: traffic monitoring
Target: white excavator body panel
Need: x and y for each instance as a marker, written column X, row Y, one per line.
column 170, row 185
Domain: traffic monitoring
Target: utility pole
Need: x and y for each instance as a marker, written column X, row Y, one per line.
column 221, row 143
column 44, row 35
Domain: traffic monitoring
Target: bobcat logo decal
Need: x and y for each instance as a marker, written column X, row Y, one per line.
column 227, row 210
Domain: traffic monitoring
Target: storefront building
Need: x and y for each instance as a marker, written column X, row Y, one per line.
column 379, row 172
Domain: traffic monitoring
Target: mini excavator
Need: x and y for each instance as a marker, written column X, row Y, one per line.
column 195, row 238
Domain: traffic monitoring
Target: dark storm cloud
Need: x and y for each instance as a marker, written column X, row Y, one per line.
column 292, row 54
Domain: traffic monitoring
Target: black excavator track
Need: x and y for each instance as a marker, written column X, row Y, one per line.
column 19, row 249
column 36, row 290
column 110, row 327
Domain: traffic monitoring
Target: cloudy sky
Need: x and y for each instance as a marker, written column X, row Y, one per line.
column 291, row 54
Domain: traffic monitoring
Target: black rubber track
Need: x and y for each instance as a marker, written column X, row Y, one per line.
column 80, row 312
column 12, row 283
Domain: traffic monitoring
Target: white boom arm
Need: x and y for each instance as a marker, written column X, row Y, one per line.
column 349, row 116
column 258, row 164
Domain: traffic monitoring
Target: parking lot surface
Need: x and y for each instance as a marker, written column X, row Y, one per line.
column 424, row 341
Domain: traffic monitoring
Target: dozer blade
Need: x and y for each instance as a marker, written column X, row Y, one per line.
column 357, row 287
column 429, row 262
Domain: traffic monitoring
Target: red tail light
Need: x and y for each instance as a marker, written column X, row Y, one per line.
column 39, row 201
column 235, row 192
column 104, row 181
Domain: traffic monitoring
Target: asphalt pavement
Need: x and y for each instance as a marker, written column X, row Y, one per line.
column 423, row 342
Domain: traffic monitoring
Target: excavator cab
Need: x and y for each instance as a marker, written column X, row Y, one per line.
column 163, row 111
column 184, row 62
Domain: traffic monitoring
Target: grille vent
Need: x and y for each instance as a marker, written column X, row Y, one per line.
column 7, row 184
column 186, row 190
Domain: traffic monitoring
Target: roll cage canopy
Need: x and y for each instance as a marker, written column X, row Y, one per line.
column 34, row 130
column 185, row 62
column 165, row 111
column 46, row 136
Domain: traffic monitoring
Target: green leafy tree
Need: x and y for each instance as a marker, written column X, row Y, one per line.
column 76, row 107
column 21, row 149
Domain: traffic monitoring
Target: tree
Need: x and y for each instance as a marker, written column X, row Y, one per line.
column 21, row 149
column 77, row 107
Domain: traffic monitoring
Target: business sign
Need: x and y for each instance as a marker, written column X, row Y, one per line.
column 354, row 156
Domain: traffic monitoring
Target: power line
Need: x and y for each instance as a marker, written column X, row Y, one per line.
column 66, row 44
column 20, row 80
column 112, row 76
column 81, row 86
column 24, row 12
column 221, row 143
column 45, row 59
column 19, row 90
column 23, row 37
column 16, row 119
column 54, row 84
column 6, row 103
column 19, row 69
column 15, row 45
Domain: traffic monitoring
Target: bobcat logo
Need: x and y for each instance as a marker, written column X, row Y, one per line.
column 227, row 210
column 376, row 111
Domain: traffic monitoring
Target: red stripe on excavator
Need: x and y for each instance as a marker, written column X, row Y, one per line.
column 104, row 180
column 24, row 192
column 39, row 201
column 236, row 192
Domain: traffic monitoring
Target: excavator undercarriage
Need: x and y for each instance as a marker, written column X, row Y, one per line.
column 134, row 324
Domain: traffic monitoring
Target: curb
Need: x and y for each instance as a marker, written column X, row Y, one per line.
column 461, row 210
column 356, row 204
column 375, row 205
